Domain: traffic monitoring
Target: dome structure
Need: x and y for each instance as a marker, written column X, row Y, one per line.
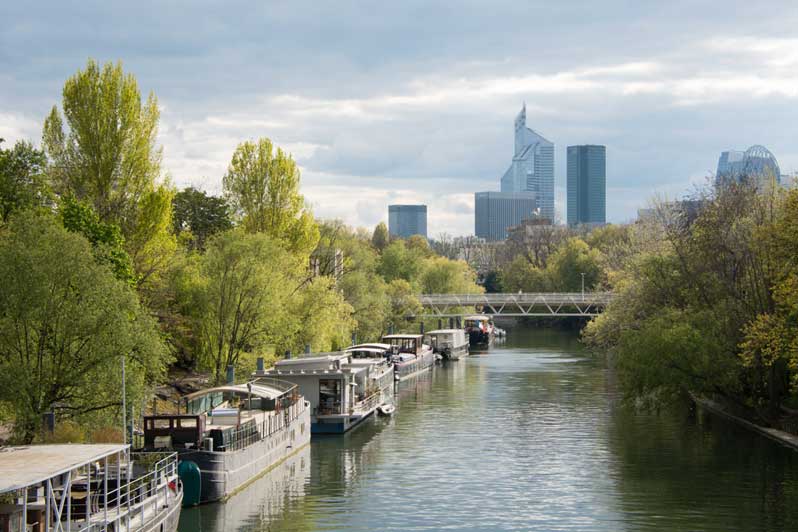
column 759, row 163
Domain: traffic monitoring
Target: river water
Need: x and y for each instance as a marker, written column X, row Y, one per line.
column 529, row 435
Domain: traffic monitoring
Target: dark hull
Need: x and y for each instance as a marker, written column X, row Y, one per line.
column 479, row 338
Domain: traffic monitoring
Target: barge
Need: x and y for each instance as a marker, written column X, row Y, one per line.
column 480, row 330
column 451, row 344
column 409, row 354
column 341, row 389
column 230, row 435
column 88, row 487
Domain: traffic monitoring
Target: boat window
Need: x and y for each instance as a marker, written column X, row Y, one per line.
column 163, row 423
column 188, row 423
column 329, row 395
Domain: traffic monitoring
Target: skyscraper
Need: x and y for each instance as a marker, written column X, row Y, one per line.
column 407, row 220
column 755, row 163
column 532, row 169
column 495, row 212
column 587, row 184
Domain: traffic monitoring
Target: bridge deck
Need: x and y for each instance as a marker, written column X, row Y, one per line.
column 560, row 304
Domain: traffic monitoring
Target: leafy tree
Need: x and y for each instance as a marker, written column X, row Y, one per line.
column 240, row 299
column 444, row 276
column 200, row 215
column 404, row 302
column 567, row 264
column 263, row 187
column 521, row 275
column 65, row 324
column 22, row 183
column 380, row 238
column 106, row 239
column 420, row 245
column 399, row 262
column 321, row 317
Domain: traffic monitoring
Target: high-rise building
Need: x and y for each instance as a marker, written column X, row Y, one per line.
column 587, row 185
column 755, row 163
column 532, row 169
column 407, row 220
column 495, row 212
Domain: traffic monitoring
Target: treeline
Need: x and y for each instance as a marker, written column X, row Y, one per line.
column 103, row 260
column 706, row 303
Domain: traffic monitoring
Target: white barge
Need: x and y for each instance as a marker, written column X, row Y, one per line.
column 451, row 344
column 86, row 488
column 342, row 389
column 229, row 435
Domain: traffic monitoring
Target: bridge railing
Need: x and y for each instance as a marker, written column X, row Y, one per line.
column 520, row 304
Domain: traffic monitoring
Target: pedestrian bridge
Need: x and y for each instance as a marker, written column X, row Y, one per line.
column 545, row 304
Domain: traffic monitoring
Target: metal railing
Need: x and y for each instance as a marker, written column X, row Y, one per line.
column 246, row 435
column 520, row 304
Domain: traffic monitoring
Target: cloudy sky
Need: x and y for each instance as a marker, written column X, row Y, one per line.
column 414, row 101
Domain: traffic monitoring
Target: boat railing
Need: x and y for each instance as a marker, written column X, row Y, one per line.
column 369, row 403
column 245, row 435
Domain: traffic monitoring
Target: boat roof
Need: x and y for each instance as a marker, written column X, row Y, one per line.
column 26, row 466
column 361, row 347
column 400, row 336
column 368, row 349
column 477, row 317
column 272, row 390
column 446, row 331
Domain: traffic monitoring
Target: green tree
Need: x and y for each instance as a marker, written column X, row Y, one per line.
column 404, row 302
column 380, row 238
column 65, row 324
column 106, row 239
column 262, row 186
column 399, row 262
column 22, row 183
column 200, row 215
column 521, row 275
column 108, row 157
column 567, row 264
column 445, row 276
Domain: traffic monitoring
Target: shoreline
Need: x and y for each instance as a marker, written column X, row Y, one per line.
column 780, row 436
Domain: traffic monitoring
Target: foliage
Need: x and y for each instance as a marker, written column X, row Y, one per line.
column 404, row 301
column 65, row 324
column 380, row 238
column 106, row 239
column 567, row 265
column 200, row 215
column 263, row 187
column 521, row 275
column 400, row 262
column 22, row 183
column 445, row 276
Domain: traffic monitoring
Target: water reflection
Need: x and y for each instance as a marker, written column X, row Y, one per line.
column 528, row 435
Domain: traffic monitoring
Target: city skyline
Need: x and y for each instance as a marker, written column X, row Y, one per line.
column 427, row 122
column 586, row 183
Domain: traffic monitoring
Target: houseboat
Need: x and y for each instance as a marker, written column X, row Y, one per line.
column 479, row 329
column 409, row 354
column 77, row 487
column 342, row 390
column 451, row 344
column 229, row 435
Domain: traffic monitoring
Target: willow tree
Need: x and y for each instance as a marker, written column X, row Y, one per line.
column 65, row 324
column 262, row 185
column 103, row 150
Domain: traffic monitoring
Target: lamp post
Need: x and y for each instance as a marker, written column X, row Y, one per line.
column 583, row 286
column 124, row 404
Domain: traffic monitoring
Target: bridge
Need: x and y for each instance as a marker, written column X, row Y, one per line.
column 543, row 304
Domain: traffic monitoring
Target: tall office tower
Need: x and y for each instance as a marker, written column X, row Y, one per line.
column 755, row 163
column 532, row 169
column 587, row 185
column 496, row 212
column 407, row 220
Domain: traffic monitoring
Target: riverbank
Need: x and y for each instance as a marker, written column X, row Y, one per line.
column 785, row 438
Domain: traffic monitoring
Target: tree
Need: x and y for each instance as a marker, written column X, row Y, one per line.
column 420, row 245
column 200, row 215
column 521, row 275
column 240, row 300
column 106, row 239
column 399, row 262
column 444, row 276
column 380, row 238
column 22, row 183
column 404, row 302
column 572, row 259
column 263, row 188
column 65, row 324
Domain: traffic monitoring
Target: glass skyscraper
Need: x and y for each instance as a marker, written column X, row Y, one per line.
column 495, row 212
column 532, row 169
column 587, row 184
column 407, row 220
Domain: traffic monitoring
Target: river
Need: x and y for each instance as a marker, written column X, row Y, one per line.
column 529, row 435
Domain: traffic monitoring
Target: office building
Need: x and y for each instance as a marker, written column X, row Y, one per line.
column 532, row 169
column 495, row 212
column 407, row 220
column 755, row 163
column 587, row 185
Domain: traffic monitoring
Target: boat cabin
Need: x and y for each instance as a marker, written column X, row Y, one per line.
column 365, row 351
column 412, row 344
column 479, row 321
column 223, row 418
column 81, row 487
column 443, row 339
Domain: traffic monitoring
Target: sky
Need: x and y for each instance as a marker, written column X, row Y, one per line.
column 414, row 101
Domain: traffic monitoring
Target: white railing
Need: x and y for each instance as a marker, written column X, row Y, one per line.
column 520, row 304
